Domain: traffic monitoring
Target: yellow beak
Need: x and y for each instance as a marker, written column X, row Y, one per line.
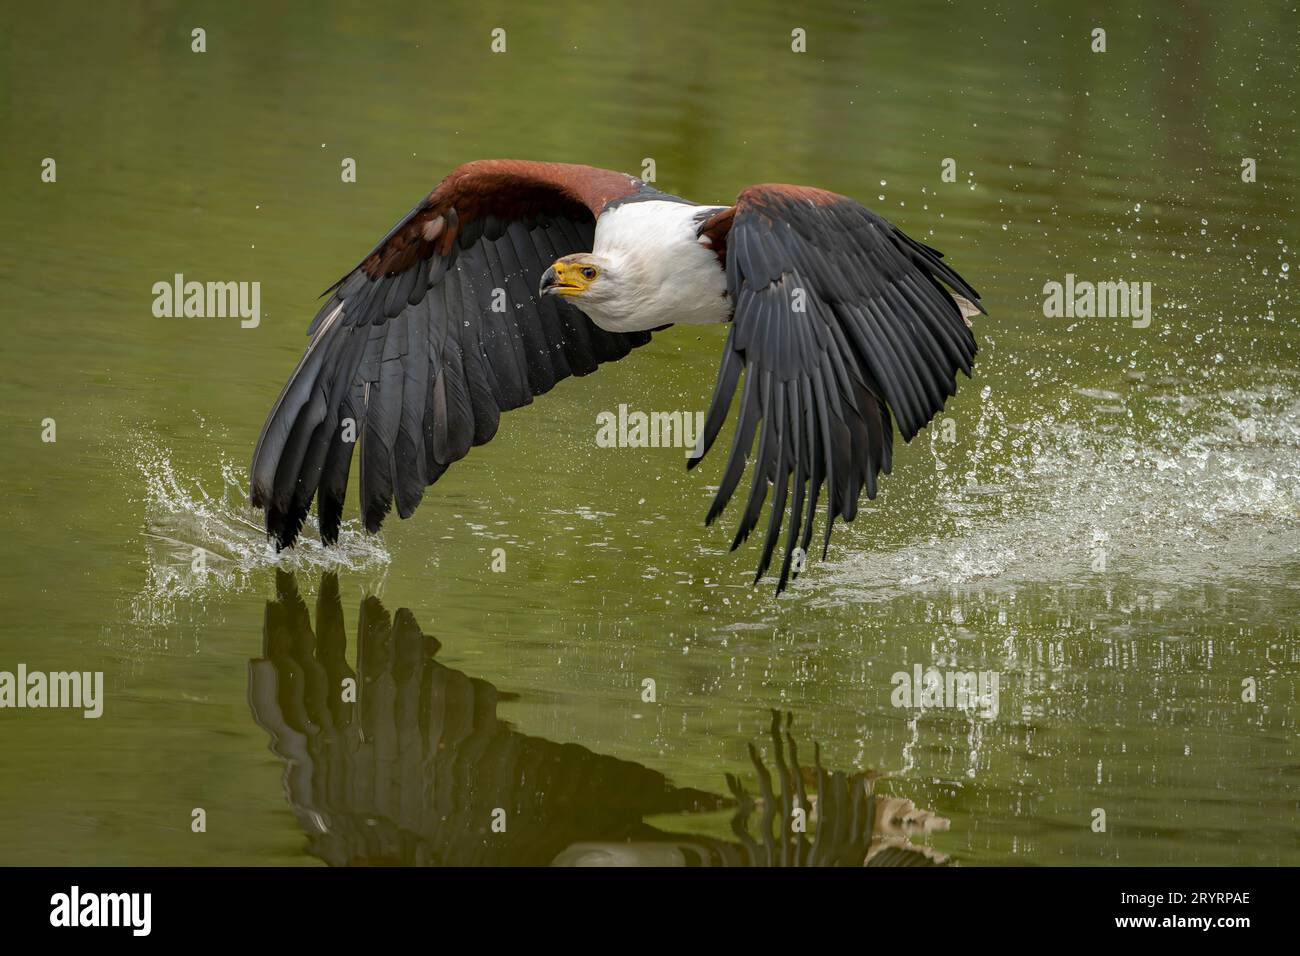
column 563, row 278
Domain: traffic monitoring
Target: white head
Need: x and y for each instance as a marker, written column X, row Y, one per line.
column 582, row 277
column 646, row 270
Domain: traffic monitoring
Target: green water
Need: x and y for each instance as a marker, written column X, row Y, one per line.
column 1114, row 527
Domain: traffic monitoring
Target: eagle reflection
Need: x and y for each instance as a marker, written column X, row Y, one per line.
column 404, row 761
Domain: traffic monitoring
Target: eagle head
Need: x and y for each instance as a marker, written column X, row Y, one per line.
column 574, row 275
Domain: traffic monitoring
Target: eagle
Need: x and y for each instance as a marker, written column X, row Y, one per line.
column 512, row 275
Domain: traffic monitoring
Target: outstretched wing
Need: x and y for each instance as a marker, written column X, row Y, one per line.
column 422, row 346
column 840, row 320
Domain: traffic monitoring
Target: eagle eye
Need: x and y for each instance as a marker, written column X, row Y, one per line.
column 588, row 272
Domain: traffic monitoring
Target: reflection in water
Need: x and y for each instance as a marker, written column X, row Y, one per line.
column 417, row 768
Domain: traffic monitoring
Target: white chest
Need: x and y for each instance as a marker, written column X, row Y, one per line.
column 659, row 272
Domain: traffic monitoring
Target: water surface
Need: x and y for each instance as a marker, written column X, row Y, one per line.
column 1114, row 526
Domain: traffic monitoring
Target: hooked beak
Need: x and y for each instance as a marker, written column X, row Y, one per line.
column 550, row 279
column 563, row 278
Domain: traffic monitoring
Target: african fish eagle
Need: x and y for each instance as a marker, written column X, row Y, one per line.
column 838, row 321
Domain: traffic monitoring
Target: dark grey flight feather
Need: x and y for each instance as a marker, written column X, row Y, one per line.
column 840, row 320
column 423, row 367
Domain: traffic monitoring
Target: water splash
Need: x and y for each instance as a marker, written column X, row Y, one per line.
column 201, row 545
column 1158, row 483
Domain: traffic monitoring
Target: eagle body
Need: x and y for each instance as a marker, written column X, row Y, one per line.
column 512, row 275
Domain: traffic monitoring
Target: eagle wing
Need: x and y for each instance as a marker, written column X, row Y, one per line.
column 411, row 349
column 841, row 321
